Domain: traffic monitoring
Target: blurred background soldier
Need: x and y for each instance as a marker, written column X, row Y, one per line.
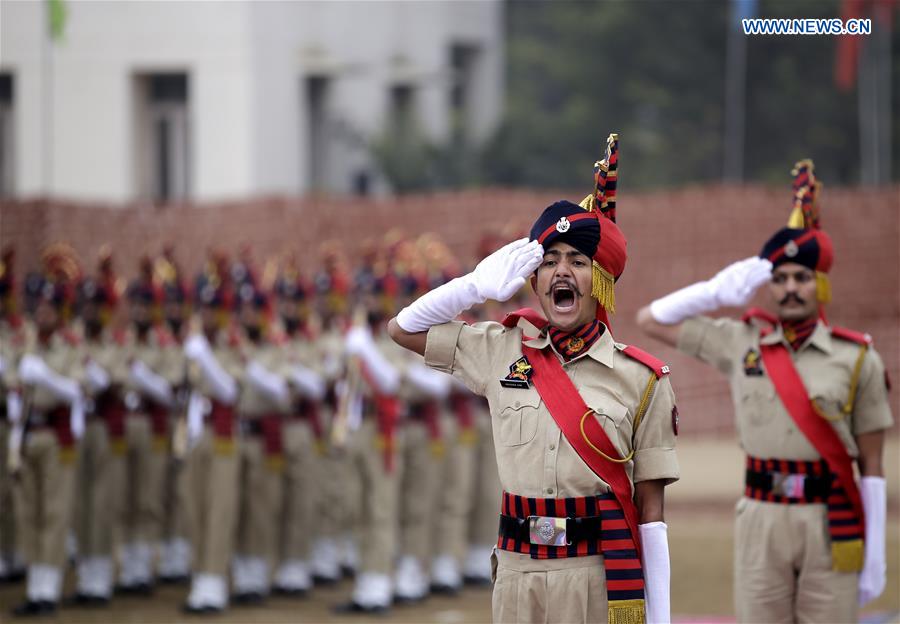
column 12, row 341
column 51, row 374
column 153, row 368
column 304, row 481
column 212, row 461
column 261, row 408
column 97, row 472
column 175, row 554
column 368, row 411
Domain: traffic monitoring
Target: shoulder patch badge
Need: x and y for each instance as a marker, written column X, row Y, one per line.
column 519, row 376
column 752, row 366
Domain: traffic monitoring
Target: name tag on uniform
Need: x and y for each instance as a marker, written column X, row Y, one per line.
column 519, row 376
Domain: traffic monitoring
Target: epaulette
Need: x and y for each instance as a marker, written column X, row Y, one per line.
column 164, row 337
column 758, row 314
column 659, row 367
column 852, row 336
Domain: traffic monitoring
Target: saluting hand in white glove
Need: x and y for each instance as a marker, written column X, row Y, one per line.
column 736, row 284
column 503, row 273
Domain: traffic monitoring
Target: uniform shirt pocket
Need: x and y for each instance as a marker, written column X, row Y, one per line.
column 518, row 416
column 757, row 401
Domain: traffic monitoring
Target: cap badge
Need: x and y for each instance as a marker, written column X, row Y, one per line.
column 791, row 249
column 563, row 225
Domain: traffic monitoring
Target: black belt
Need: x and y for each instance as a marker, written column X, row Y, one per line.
column 779, row 483
column 577, row 529
column 250, row 426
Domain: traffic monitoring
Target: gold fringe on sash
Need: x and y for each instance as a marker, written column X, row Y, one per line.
column 223, row 446
column 626, row 611
column 603, row 287
column 275, row 463
column 823, row 288
column 846, row 556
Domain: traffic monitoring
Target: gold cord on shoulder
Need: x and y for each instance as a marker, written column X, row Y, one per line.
column 599, row 452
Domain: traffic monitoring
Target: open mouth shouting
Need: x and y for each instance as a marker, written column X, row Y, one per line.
column 564, row 297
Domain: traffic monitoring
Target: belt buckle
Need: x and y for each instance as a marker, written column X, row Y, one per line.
column 547, row 531
column 789, row 485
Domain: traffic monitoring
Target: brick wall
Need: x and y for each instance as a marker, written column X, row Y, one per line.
column 675, row 238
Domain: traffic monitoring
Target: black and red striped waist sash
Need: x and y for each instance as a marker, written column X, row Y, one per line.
column 612, row 538
column 791, row 482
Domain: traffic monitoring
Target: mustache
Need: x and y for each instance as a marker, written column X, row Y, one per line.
column 790, row 296
column 567, row 284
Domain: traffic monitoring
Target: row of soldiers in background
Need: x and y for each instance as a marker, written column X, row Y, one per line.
column 245, row 425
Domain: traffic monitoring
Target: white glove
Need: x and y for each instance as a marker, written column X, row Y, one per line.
column 267, row 382
column 34, row 371
column 383, row 374
column 151, row 384
column 433, row 383
column 196, row 409
column 655, row 548
column 733, row 286
column 873, row 491
column 97, row 378
column 307, row 382
column 499, row 276
column 76, row 418
column 223, row 386
column 13, row 407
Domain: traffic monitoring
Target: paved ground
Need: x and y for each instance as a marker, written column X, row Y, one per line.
column 699, row 517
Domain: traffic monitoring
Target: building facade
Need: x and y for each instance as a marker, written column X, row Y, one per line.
column 205, row 101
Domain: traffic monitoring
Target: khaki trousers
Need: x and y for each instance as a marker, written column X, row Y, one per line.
column 8, row 536
column 418, row 491
column 44, row 497
column 259, row 492
column 487, row 489
column 141, row 473
column 175, row 499
column 551, row 590
column 212, row 493
column 378, row 501
column 453, row 494
column 95, row 477
column 782, row 566
column 301, row 482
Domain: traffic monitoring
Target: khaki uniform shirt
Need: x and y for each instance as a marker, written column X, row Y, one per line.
column 161, row 354
column 533, row 457
column 253, row 403
column 111, row 353
column 824, row 362
column 65, row 358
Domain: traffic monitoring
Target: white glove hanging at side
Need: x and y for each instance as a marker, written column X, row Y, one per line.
column 657, row 573
column 872, row 579
column 733, row 286
column 499, row 276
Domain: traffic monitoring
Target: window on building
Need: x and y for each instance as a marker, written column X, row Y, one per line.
column 463, row 58
column 7, row 134
column 319, row 152
column 402, row 110
column 164, row 141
